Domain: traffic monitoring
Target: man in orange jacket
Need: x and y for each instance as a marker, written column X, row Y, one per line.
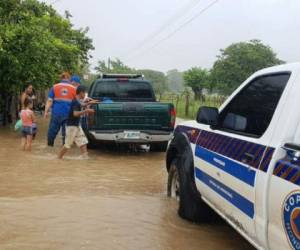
column 60, row 98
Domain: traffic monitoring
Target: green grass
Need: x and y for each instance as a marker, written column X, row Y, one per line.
column 194, row 105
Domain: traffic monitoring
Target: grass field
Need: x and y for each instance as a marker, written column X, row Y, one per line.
column 194, row 105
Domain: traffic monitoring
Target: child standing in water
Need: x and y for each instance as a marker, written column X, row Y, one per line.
column 28, row 119
column 74, row 132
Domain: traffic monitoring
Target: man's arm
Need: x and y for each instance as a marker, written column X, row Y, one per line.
column 48, row 106
column 49, row 102
column 89, row 101
column 23, row 97
column 83, row 112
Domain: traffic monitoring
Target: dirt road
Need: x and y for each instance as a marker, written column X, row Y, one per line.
column 115, row 200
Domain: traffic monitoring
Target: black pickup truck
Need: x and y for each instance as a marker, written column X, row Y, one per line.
column 129, row 113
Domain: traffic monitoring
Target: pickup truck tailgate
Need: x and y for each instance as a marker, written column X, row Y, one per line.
column 133, row 115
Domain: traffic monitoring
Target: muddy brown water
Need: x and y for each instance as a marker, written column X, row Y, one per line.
column 115, row 200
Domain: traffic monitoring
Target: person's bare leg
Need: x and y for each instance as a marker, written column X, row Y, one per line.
column 28, row 142
column 62, row 152
column 23, row 143
column 84, row 152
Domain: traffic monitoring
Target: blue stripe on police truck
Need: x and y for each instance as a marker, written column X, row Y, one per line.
column 230, row 147
column 240, row 202
column 237, row 170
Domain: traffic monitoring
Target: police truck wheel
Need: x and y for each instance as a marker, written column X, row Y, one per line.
column 173, row 182
column 191, row 206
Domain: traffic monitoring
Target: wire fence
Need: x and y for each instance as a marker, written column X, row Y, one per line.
column 186, row 105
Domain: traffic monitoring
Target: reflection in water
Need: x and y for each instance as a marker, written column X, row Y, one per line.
column 115, row 200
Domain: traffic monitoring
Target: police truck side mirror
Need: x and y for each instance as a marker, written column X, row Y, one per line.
column 293, row 151
column 208, row 116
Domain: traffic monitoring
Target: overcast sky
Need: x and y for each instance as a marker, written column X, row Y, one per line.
column 129, row 29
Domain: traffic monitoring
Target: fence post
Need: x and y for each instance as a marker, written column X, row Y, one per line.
column 187, row 104
column 177, row 101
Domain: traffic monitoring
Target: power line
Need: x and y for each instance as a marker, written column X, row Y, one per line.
column 177, row 29
column 169, row 22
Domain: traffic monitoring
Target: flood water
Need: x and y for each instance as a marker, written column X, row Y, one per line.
column 115, row 200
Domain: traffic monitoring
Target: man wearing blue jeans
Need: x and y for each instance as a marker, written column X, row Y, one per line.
column 59, row 99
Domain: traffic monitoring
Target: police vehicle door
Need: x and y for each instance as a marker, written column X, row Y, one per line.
column 228, row 157
column 284, row 202
column 283, row 195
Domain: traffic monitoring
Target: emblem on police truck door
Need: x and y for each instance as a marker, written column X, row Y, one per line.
column 291, row 219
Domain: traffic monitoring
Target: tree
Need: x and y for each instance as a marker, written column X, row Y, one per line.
column 175, row 81
column 197, row 79
column 157, row 79
column 113, row 66
column 102, row 67
column 36, row 45
column 238, row 61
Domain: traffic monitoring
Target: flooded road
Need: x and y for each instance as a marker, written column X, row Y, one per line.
column 115, row 200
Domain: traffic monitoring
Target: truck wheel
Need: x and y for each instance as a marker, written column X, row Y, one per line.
column 159, row 147
column 182, row 187
column 174, row 182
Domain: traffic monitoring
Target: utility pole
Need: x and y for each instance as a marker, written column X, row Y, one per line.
column 108, row 64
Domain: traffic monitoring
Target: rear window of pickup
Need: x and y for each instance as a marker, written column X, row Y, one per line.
column 123, row 90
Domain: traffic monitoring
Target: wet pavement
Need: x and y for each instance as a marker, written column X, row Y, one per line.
column 115, row 200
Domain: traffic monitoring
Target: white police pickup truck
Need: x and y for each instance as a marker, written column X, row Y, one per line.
column 243, row 160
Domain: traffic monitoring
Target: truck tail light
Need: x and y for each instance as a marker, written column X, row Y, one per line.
column 173, row 117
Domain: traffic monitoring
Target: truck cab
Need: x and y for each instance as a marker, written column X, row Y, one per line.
column 243, row 160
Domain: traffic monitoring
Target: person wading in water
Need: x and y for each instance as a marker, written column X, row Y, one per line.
column 28, row 119
column 27, row 93
column 75, row 133
column 60, row 98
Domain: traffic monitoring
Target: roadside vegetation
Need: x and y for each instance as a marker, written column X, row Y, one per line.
column 198, row 86
column 36, row 45
column 187, row 107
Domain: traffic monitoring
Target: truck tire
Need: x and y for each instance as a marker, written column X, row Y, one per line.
column 191, row 206
column 173, row 181
column 159, row 146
